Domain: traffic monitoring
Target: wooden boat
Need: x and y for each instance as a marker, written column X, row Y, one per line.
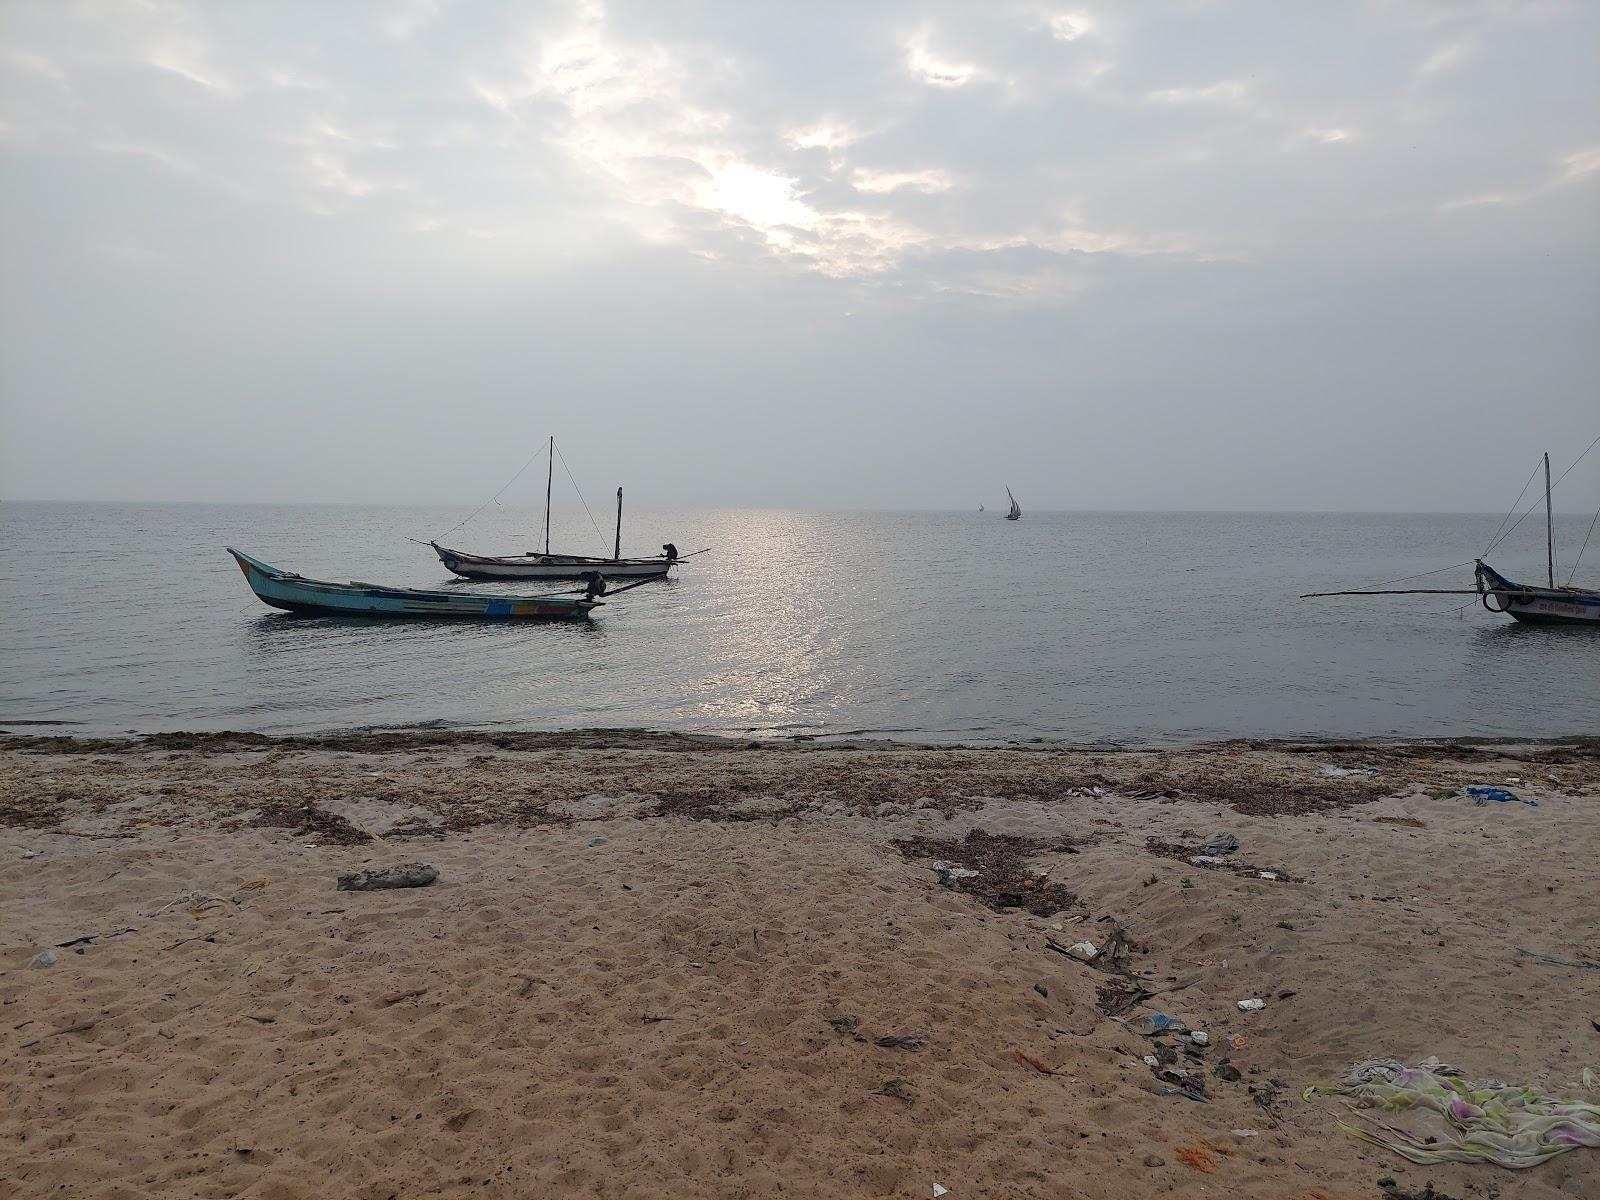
column 534, row 565
column 1016, row 509
column 315, row 597
column 1548, row 605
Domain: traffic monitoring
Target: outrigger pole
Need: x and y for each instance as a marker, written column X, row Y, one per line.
column 1401, row 592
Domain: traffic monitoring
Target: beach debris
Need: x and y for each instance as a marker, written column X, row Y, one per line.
column 1238, row 1041
column 1207, row 860
column 45, row 958
column 903, row 1041
column 1163, row 1090
column 1042, row 990
column 597, row 840
column 940, row 1190
column 1028, row 1060
column 83, row 939
column 1083, row 951
column 1333, row 772
column 950, row 875
column 1393, row 1191
column 897, row 1089
column 1226, row 1071
column 394, row 998
column 1269, row 874
column 1590, row 1079
column 1001, row 877
column 1244, row 1133
column 846, row 1026
column 409, row 875
column 26, row 854
column 1199, row 1037
column 196, row 904
column 1219, row 844
column 1151, row 1061
column 1154, row 1160
column 1579, row 964
column 1198, row 1158
column 1476, row 1122
column 1155, row 1024
column 1482, row 794
column 1253, row 1004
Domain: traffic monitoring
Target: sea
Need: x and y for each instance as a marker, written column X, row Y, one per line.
column 1125, row 629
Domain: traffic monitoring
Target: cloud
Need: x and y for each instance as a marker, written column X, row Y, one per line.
column 1227, row 91
column 1443, row 58
column 1070, row 26
column 1581, row 163
column 929, row 181
column 824, row 135
column 1574, row 167
column 190, row 59
column 935, row 71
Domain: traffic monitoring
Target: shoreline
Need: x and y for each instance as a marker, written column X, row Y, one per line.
column 389, row 738
column 661, row 964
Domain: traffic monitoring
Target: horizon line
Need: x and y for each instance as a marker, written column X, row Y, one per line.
column 1284, row 512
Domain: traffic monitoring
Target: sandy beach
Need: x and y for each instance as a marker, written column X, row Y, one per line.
column 661, row 966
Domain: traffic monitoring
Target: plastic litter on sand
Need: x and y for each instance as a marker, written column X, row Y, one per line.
column 1476, row 1122
column 1252, row 1005
column 1483, row 794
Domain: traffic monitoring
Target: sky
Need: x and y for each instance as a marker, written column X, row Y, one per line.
column 1183, row 255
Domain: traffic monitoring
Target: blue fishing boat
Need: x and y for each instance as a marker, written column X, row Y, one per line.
column 1551, row 605
column 315, row 597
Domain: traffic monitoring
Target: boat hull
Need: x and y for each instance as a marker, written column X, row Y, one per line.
column 1535, row 605
column 547, row 566
column 314, row 597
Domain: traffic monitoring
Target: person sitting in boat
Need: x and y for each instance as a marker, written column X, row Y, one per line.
column 594, row 585
column 671, row 552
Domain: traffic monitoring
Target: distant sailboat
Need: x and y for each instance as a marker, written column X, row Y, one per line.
column 980, row 508
column 1016, row 509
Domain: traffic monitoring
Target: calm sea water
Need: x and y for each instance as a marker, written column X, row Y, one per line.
column 1137, row 627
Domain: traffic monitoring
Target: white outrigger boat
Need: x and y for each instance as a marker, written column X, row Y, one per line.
column 534, row 565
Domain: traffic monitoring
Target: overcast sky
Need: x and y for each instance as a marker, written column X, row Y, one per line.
column 837, row 254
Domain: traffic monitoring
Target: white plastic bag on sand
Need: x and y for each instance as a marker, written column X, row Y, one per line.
column 1083, row 951
column 1252, row 1005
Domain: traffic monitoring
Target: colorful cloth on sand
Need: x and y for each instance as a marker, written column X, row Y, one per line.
column 1471, row 1122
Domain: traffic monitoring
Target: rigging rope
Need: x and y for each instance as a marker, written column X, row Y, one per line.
column 581, row 500
column 494, row 499
column 1535, row 504
column 1513, row 507
column 1583, row 547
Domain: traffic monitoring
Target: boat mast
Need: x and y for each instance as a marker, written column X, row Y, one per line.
column 617, row 553
column 548, row 481
column 1549, row 524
